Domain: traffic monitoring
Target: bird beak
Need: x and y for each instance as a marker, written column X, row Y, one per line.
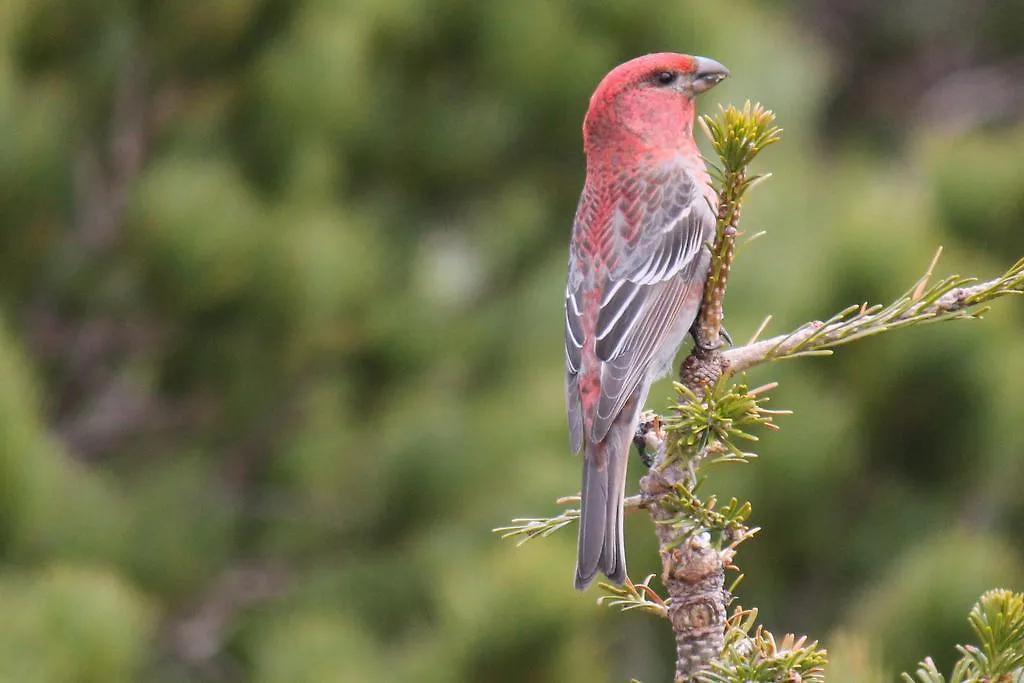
column 708, row 74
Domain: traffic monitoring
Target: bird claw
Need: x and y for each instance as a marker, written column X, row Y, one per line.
column 648, row 422
column 724, row 333
column 725, row 339
column 646, row 457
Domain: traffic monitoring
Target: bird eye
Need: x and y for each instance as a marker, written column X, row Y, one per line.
column 665, row 77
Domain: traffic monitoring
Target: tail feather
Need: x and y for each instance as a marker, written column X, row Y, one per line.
column 601, row 546
column 593, row 516
column 613, row 557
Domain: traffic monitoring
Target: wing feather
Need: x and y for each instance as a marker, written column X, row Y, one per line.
column 643, row 294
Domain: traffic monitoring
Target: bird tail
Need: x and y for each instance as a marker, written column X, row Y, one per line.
column 601, row 546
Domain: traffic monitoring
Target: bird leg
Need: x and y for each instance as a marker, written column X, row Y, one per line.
column 702, row 343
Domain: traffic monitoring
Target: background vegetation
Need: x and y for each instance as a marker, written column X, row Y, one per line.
column 280, row 338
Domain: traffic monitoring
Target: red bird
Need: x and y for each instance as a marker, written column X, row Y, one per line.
column 637, row 265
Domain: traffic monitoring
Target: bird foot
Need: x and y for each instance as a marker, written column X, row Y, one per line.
column 725, row 339
column 648, row 431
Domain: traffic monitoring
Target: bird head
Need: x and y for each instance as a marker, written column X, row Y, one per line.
column 648, row 101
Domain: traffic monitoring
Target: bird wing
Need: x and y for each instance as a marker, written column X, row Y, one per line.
column 661, row 223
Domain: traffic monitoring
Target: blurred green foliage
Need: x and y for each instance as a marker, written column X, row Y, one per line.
column 280, row 342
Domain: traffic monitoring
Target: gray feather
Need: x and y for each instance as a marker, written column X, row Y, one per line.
column 601, row 546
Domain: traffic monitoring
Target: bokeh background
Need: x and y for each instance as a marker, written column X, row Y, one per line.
column 280, row 333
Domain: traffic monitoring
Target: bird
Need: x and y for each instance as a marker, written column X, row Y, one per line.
column 638, row 261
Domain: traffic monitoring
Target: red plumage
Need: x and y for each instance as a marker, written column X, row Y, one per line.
column 637, row 266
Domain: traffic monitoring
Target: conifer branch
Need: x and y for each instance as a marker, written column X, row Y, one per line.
column 528, row 528
column 737, row 137
column 697, row 538
column 998, row 622
column 695, row 545
column 634, row 596
column 953, row 298
column 758, row 656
